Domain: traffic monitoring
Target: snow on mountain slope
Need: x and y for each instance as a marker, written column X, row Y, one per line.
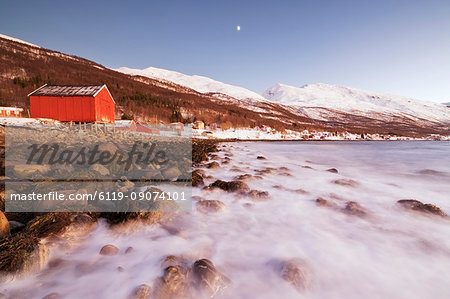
column 315, row 97
column 446, row 104
column 198, row 83
column 17, row 40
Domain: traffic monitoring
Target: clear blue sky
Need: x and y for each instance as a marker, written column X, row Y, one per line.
column 399, row 47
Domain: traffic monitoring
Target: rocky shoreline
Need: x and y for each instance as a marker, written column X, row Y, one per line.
column 182, row 275
column 21, row 233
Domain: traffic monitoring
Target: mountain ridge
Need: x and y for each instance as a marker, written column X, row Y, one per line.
column 352, row 100
column 199, row 83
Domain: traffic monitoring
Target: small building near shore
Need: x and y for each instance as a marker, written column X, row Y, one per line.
column 73, row 103
column 198, row 124
column 10, row 112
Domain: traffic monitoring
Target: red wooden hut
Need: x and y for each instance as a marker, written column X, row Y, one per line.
column 73, row 103
column 11, row 111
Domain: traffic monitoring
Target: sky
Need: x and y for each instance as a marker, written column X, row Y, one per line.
column 396, row 47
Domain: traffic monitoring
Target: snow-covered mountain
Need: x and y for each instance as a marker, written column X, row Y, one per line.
column 316, row 106
column 198, row 83
column 17, row 40
column 314, row 99
column 446, row 104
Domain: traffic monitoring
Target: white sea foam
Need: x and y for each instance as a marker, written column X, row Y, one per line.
column 390, row 253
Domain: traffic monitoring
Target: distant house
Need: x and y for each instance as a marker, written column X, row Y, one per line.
column 198, row 124
column 73, row 103
column 11, row 112
column 177, row 126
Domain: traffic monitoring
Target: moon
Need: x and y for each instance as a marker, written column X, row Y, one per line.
column 238, row 28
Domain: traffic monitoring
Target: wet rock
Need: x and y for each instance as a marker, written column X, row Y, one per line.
column 171, row 173
column 279, row 187
column 322, row 202
column 266, row 170
column 100, row 169
column 22, row 252
column 418, row 206
column 301, row 191
column 295, row 272
column 208, row 206
column 247, row 176
column 197, row 178
column 208, row 278
column 28, row 170
column 230, row 186
column 261, row 158
column 307, row 167
column 109, row 250
column 175, row 261
column 258, row 195
column 242, row 177
column 285, row 174
column 83, row 219
column 354, row 208
column 346, row 182
column 201, row 149
column 141, row 292
column 4, row 225
column 172, row 284
column 51, row 296
column 213, row 165
column 129, row 250
column 333, row 170
column 120, row 269
column 15, row 226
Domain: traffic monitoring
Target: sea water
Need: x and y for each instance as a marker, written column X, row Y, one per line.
column 387, row 253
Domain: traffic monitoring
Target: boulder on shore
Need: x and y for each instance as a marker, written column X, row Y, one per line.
column 141, row 292
column 197, row 178
column 418, row 206
column 208, row 278
column 4, row 225
column 354, row 208
column 295, row 272
column 208, row 206
column 109, row 250
column 346, row 182
column 172, row 284
column 231, row 186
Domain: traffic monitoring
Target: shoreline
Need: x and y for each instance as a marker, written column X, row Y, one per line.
column 312, row 140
